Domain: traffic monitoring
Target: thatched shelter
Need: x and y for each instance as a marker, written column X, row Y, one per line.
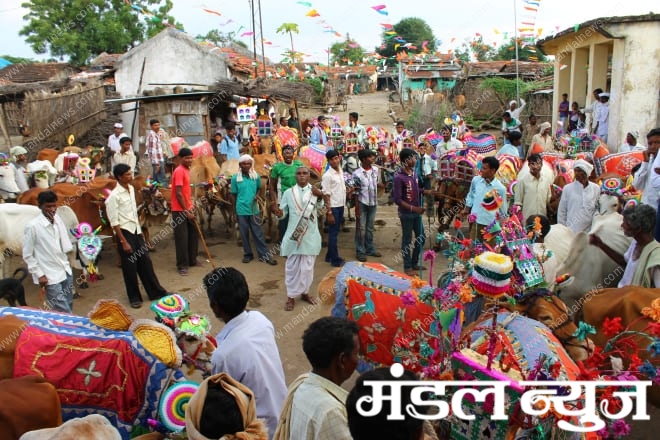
column 45, row 113
column 274, row 89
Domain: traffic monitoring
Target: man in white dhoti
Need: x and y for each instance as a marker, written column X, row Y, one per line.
column 302, row 241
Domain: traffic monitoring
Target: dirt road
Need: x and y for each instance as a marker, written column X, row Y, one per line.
column 267, row 290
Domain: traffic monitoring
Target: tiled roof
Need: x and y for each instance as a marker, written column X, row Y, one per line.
column 106, row 60
column 504, row 68
column 37, row 72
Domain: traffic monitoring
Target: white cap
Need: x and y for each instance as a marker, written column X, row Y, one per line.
column 119, row 125
column 604, row 95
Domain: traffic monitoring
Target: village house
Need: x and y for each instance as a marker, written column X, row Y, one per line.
column 628, row 47
column 432, row 75
column 42, row 103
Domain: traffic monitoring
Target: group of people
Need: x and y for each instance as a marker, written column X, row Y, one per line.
column 315, row 406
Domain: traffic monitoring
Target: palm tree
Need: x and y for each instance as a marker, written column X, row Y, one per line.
column 289, row 28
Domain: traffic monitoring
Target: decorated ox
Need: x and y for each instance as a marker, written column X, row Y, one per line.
column 508, row 170
column 212, row 189
column 590, row 268
column 315, row 154
column 28, row 403
column 116, row 373
column 85, row 199
column 484, row 144
column 635, row 307
column 48, row 154
column 41, row 173
column 9, row 191
column 153, row 206
column 91, row 427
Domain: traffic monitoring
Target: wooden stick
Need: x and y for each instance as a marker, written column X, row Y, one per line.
column 206, row 248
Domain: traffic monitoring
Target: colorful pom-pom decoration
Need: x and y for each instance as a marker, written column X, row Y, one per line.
column 172, row 408
column 612, row 186
column 491, row 274
column 170, row 306
column 492, row 201
column 197, row 326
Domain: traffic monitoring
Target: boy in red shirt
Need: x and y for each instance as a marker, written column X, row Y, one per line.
column 183, row 215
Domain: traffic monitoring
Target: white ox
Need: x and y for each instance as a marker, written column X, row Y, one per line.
column 42, row 172
column 92, row 427
column 13, row 218
column 591, row 268
column 8, row 188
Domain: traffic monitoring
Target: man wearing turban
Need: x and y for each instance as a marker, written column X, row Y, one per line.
column 19, row 161
column 578, row 199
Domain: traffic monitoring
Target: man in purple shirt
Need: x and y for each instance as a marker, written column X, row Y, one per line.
column 407, row 196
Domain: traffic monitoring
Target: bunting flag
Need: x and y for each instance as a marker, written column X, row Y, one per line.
column 380, row 9
column 247, row 34
column 307, row 4
column 313, row 13
column 211, row 11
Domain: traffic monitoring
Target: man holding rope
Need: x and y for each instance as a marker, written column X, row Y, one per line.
column 245, row 186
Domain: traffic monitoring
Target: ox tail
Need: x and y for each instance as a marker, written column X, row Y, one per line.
column 22, row 271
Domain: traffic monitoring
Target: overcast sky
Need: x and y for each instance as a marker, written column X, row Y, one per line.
column 449, row 20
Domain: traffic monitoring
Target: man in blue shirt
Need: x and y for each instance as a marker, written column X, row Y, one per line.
column 229, row 147
column 479, row 187
column 245, row 186
column 514, row 147
column 318, row 136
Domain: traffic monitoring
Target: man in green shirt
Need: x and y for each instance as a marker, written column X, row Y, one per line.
column 245, row 186
column 283, row 177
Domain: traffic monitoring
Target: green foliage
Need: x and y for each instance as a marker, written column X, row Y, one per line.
column 318, row 86
column 505, row 88
column 343, row 53
column 292, row 57
column 83, row 29
column 290, row 28
column 221, row 39
column 507, row 52
column 475, row 50
column 414, row 31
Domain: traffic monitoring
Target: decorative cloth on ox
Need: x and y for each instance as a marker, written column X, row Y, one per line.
column 285, row 136
column 484, row 143
column 447, row 168
column 316, row 155
column 508, row 170
column 619, row 163
column 95, row 371
column 520, row 343
column 391, row 330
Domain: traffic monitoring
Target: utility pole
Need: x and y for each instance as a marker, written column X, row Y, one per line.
column 254, row 40
column 515, row 41
column 261, row 35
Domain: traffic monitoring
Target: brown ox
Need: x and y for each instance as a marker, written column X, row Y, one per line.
column 627, row 303
column 26, row 404
column 451, row 195
column 49, row 154
column 211, row 191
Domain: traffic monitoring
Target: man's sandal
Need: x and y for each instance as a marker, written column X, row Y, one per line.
column 290, row 303
column 308, row 299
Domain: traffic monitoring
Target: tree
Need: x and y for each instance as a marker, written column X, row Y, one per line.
column 289, row 28
column 292, row 57
column 346, row 52
column 410, row 31
column 526, row 52
column 221, row 39
column 476, row 50
column 82, row 29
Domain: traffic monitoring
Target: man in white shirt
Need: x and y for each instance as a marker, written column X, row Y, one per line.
column 631, row 143
column 602, row 116
column 315, row 407
column 334, row 186
column 246, row 344
column 448, row 143
column 45, row 244
column 533, row 190
column 646, row 180
column 125, row 155
column 578, row 199
column 515, row 110
column 19, row 161
column 122, row 214
column 115, row 138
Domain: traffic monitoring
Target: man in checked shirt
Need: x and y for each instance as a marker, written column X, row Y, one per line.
column 155, row 153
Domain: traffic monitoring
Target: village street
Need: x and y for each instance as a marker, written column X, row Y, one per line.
column 267, row 291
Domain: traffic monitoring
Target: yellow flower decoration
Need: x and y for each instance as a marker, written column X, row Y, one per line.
column 653, row 312
column 465, row 293
column 416, row 283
